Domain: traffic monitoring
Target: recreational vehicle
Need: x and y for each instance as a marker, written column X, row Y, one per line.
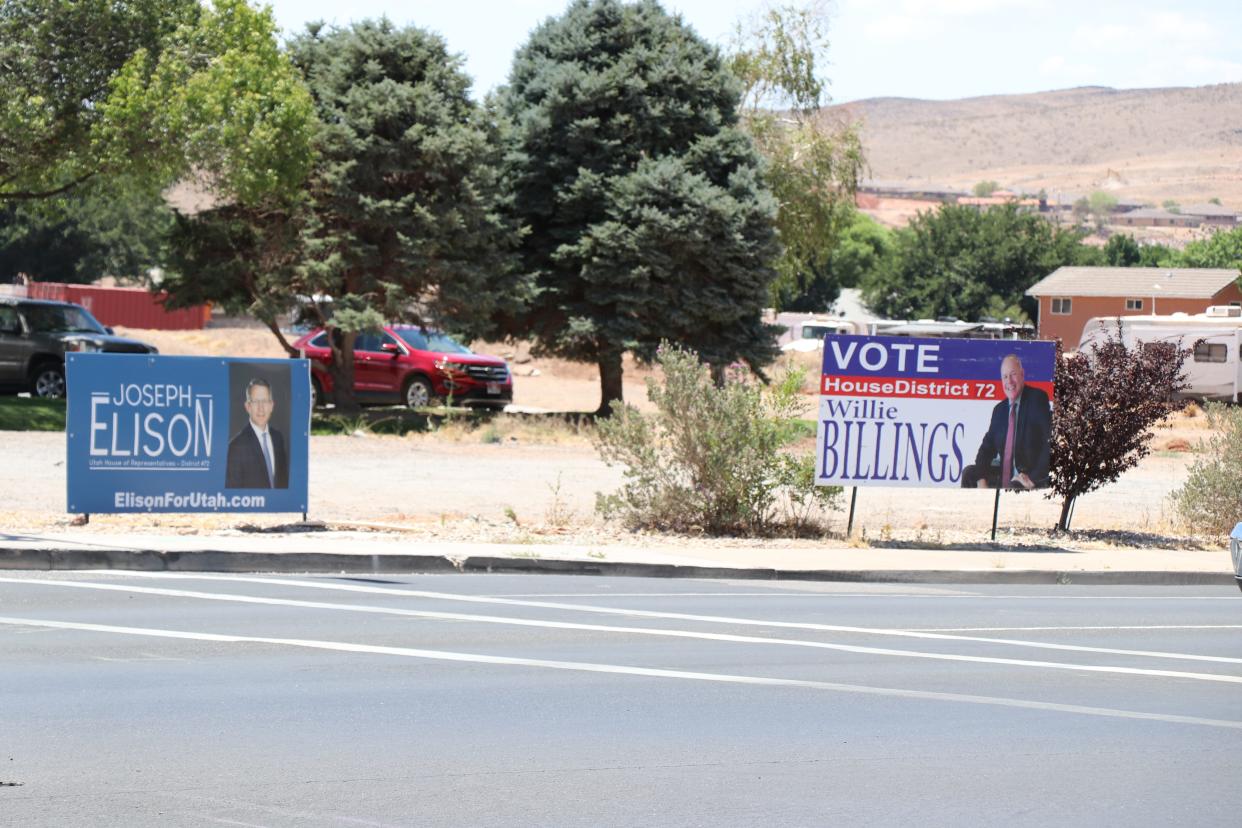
column 1214, row 369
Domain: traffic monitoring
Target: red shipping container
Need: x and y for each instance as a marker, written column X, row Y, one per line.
column 125, row 306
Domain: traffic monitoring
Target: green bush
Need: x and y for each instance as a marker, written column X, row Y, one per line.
column 712, row 459
column 1210, row 502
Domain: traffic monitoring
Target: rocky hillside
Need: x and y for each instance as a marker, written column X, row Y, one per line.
column 1154, row 144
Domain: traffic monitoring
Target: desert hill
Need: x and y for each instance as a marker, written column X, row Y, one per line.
column 1183, row 144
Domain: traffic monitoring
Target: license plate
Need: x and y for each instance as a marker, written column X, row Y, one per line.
column 493, row 388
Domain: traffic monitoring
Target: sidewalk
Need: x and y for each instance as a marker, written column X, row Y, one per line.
column 355, row 552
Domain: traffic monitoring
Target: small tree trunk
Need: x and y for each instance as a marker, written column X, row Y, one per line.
column 609, row 382
column 1066, row 506
column 280, row 337
column 342, row 371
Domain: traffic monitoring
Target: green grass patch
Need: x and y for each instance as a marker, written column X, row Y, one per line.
column 31, row 414
column 396, row 420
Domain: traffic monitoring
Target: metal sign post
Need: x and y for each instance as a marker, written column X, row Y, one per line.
column 995, row 512
column 849, row 527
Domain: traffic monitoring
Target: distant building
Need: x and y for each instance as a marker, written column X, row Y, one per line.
column 907, row 190
column 1212, row 215
column 1154, row 217
column 981, row 203
column 1069, row 296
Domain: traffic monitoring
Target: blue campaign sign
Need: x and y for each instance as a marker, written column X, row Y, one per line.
column 901, row 411
column 186, row 434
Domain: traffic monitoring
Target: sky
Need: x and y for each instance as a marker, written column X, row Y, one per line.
column 933, row 49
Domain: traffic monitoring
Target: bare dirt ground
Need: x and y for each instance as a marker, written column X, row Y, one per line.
column 524, row 478
column 543, row 383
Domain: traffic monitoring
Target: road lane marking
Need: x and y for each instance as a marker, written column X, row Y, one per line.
column 616, row 669
column 678, row 616
column 1076, row 629
column 605, row 628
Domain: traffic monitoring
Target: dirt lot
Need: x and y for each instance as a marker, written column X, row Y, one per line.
column 527, row 477
column 544, row 383
column 464, row 489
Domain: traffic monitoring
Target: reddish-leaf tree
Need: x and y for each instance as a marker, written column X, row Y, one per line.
column 1108, row 398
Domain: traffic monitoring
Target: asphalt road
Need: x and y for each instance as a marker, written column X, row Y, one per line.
column 158, row 700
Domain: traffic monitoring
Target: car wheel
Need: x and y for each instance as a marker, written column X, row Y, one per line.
column 49, row 381
column 418, row 393
column 316, row 394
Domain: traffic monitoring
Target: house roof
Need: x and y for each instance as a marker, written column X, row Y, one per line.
column 1159, row 213
column 1175, row 282
column 1206, row 210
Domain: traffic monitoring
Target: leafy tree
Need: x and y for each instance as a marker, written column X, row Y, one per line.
column 241, row 258
column 865, row 248
column 77, row 237
column 963, row 263
column 148, row 89
column 1157, row 255
column 1101, row 205
column 1081, row 210
column 1122, row 250
column 57, row 63
column 646, row 215
column 983, row 189
column 398, row 219
column 1108, row 400
column 812, row 163
column 1221, row 249
column 1214, row 200
column 1171, row 205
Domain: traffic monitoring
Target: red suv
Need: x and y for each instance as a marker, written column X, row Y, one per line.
column 409, row 365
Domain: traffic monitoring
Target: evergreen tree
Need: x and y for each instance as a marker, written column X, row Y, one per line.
column 646, row 218
column 397, row 220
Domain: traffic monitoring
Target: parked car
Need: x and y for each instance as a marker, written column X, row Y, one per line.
column 36, row 334
column 411, row 366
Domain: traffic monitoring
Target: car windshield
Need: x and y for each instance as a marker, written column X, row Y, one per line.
column 60, row 319
column 431, row 341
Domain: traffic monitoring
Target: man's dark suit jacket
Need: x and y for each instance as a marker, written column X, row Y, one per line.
column 246, row 468
column 1031, row 436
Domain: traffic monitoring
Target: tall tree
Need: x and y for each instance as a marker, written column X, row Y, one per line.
column 398, row 218
column 812, row 161
column 57, row 63
column 149, row 89
column 646, row 218
column 1221, row 249
column 864, row 247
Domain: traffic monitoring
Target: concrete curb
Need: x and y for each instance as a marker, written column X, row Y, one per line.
column 207, row 560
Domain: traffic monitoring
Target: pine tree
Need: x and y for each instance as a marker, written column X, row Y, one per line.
column 646, row 217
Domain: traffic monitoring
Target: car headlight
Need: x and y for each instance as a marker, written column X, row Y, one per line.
column 81, row 345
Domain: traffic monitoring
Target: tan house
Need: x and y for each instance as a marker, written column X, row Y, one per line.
column 1069, row 296
column 1212, row 215
column 1154, row 217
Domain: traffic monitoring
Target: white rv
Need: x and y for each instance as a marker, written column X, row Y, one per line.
column 805, row 331
column 1213, row 371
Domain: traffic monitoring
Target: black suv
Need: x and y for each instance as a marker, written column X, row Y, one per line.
column 35, row 335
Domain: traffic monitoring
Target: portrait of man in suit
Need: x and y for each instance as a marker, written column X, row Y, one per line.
column 258, row 456
column 1014, row 452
